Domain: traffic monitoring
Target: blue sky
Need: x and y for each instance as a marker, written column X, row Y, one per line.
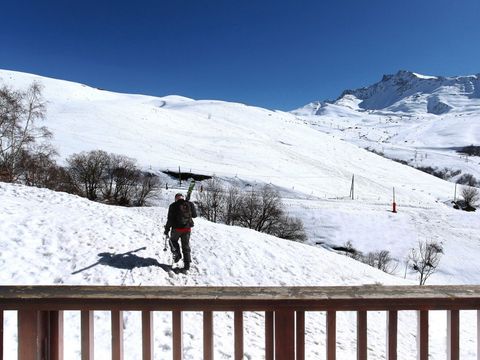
column 274, row 54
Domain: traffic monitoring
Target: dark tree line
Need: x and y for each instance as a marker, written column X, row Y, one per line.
column 470, row 150
column 258, row 210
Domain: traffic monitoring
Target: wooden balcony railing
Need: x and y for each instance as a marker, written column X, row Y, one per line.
column 40, row 315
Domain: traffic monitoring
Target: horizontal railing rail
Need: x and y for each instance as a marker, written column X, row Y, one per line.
column 40, row 315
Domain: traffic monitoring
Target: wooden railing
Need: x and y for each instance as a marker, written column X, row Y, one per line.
column 40, row 315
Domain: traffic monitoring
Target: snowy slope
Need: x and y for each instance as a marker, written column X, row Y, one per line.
column 58, row 234
column 46, row 236
column 226, row 139
column 250, row 145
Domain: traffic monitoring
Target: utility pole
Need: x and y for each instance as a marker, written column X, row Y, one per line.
column 352, row 188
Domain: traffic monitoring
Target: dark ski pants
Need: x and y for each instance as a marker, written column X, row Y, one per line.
column 175, row 246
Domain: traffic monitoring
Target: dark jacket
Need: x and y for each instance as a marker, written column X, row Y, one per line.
column 174, row 213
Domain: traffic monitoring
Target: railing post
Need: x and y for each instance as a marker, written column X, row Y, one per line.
column 361, row 335
column 147, row 335
column 392, row 330
column 331, row 335
column 117, row 335
column 300, row 336
column 269, row 349
column 238, row 334
column 177, row 335
column 422, row 335
column 87, row 334
column 207, row 335
column 56, row 335
column 32, row 335
column 284, row 334
column 453, row 335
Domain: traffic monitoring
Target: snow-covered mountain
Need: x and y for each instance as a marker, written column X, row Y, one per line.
column 416, row 118
column 45, row 236
column 411, row 93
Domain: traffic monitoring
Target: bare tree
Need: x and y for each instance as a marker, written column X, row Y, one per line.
column 425, row 259
column 87, row 170
column 249, row 209
column 19, row 113
column 148, row 186
column 120, row 177
column 233, row 199
column 37, row 168
column 261, row 210
column 212, row 200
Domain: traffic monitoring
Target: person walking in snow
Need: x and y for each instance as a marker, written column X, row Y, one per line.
column 180, row 222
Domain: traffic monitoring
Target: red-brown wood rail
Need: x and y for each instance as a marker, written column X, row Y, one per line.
column 40, row 316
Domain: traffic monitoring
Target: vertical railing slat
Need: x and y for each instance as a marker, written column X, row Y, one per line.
column 284, row 335
column 453, row 335
column 87, row 332
column 361, row 335
column 478, row 334
column 238, row 334
column 422, row 335
column 207, row 335
column 28, row 336
column 56, row 335
column 269, row 335
column 117, row 335
column 147, row 335
column 177, row 335
column 1, row 334
column 300, row 335
column 392, row 330
column 331, row 335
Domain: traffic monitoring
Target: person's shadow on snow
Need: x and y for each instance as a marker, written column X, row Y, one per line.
column 128, row 261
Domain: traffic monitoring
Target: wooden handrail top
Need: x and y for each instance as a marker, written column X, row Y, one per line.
column 366, row 297
column 239, row 293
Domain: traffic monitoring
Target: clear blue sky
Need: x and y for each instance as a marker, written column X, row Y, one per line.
column 274, row 54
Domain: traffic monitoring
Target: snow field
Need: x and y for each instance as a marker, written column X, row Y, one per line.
column 45, row 236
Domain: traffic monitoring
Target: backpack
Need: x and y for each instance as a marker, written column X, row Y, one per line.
column 184, row 215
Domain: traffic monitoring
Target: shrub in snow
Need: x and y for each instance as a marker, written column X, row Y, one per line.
column 470, row 197
column 112, row 178
column 444, row 173
column 467, row 179
column 258, row 210
column 381, row 260
column 380, row 153
column 377, row 259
